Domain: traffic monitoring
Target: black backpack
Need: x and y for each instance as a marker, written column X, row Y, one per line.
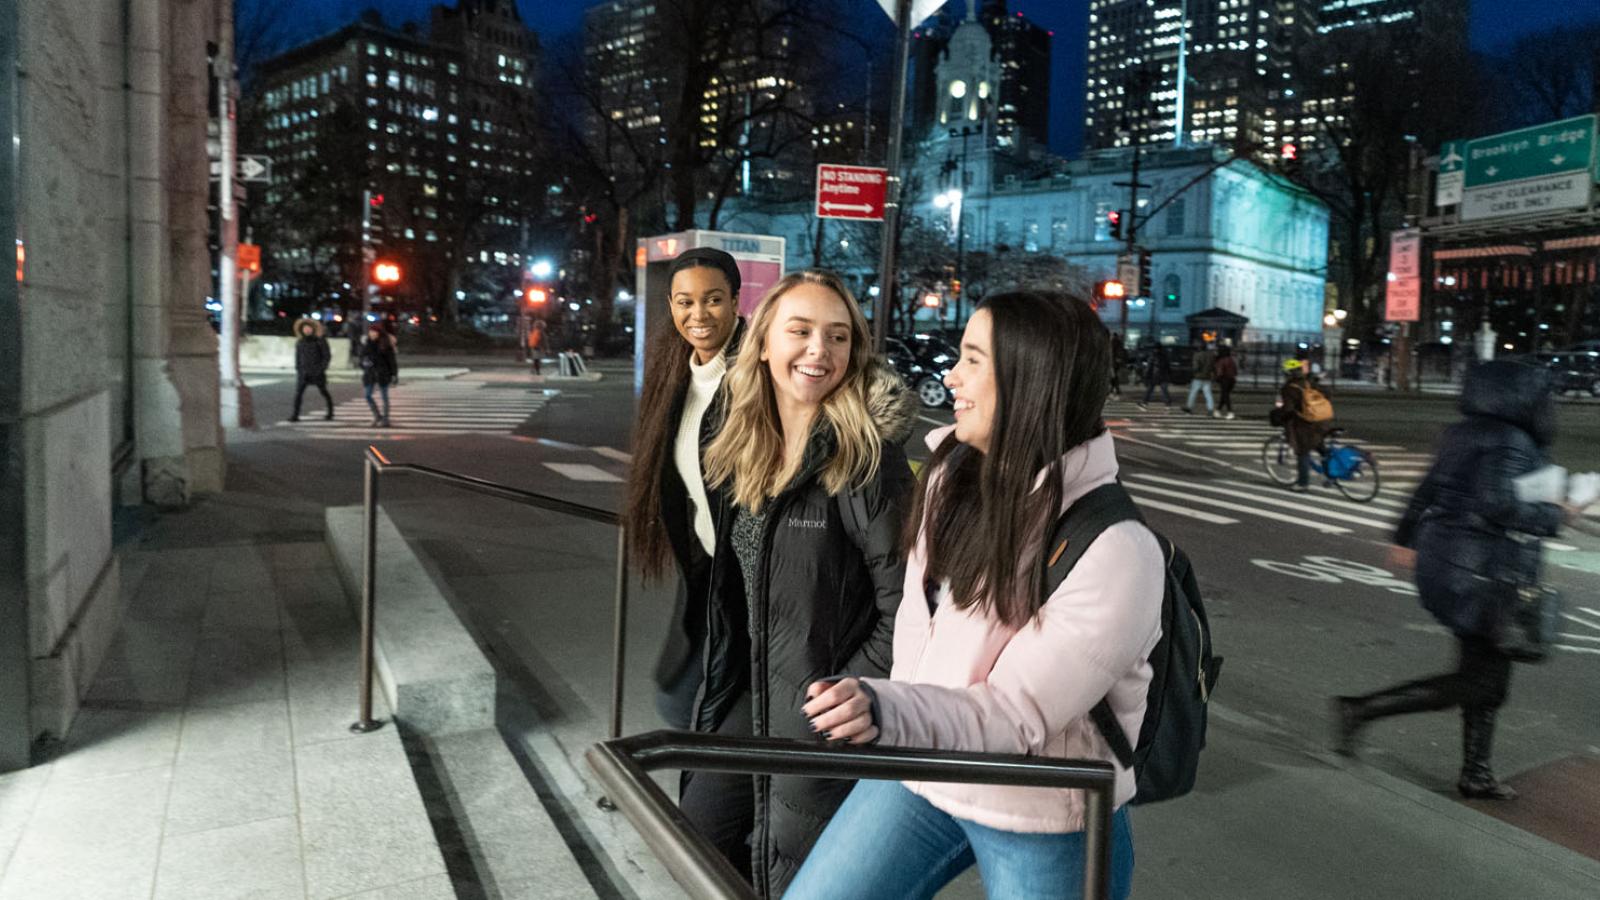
column 1185, row 671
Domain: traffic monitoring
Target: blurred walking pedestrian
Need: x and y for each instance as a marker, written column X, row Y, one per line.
column 311, row 358
column 1157, row 373
column 353, row 333
column 1473, row 545
column 1205, row 360
column 1226, row 375
column 380, row 368
column 984, row 662
column 813, row 478
column 1119, row 360
column 669, row 514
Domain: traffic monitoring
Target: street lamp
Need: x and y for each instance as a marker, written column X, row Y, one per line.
column 542, row 269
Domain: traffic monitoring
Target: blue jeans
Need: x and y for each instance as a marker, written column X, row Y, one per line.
column 886, row 843
column 383, row 389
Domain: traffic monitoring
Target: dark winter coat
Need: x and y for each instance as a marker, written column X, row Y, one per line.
column 311, row 359
column 1225, row 371
column 1303, row 436
column 1205, row 363
column 379, row 364
column 831, row 577
column 694, row 566
column 1475, row 540
column 1158, row 368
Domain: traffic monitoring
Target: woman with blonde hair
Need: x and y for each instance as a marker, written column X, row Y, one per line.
column 813, row 481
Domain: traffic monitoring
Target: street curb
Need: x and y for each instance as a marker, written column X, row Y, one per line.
column 1430, row 800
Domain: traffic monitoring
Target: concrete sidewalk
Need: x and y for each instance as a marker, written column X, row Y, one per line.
column 212, row 757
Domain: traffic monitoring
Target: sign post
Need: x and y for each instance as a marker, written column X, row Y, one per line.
column 1403, row 294
column 851, row 192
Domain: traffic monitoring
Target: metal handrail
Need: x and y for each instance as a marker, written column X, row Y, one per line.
column 622, row 764
column 375, row 464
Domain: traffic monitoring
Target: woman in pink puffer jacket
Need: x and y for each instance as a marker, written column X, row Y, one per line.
column 980, row 663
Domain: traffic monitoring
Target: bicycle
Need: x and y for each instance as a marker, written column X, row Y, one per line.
column 1352, row 470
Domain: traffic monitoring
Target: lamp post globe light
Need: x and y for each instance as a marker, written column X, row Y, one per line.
column 541, row 268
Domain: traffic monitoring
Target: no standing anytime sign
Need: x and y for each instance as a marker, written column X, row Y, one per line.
column 850, row 192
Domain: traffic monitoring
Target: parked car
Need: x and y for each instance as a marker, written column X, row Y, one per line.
column 922, row 361
column 1573, row 371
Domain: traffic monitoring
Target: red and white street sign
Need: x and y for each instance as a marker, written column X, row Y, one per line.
column 851, row 192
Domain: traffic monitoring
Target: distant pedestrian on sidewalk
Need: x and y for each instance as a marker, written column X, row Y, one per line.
column 985, row 662
column 1205, row 361
column 814, row 480
column 311, row 358
column 380, row 367
column 535, row 350
column 1157, row 373
column 1226, row 375
column 1306, row 415
column 1473, row 544
column 670, row 518
column 353, row 332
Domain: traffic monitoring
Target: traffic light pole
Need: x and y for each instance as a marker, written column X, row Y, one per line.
column 367, row 257
column 1130, row 233
column 235, row 396
column 888, row 278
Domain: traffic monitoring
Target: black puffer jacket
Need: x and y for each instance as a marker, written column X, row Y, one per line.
column 1472, row 535
column 379, row 363
column 825, row 604
column 694, row 567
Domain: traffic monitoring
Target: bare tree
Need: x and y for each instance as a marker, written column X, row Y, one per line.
column 1551, row 74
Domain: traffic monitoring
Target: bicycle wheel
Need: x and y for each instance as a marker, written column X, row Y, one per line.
column 1361, row 483
column 1279, row 460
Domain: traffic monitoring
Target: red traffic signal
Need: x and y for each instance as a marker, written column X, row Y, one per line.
column 1114, row 222
column 376, row 201
column 1288, row 151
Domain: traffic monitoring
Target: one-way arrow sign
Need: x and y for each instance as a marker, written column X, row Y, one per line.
column 246, row 168
column 851, row 192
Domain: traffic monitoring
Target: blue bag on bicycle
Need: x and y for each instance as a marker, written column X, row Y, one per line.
column 1342, row 461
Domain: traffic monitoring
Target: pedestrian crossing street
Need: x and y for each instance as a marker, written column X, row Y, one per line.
column 423, row 409
column 1241, row 493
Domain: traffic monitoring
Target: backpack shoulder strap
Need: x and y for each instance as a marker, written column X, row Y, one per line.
column 1090, row 515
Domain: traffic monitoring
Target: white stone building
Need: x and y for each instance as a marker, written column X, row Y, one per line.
column 108, row 367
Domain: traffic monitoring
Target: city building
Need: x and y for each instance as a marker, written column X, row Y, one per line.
column 1222, row 234
column 1228, row 70
column 1006, row 59
column 435, row 132
column 109, row 385
column 634, row 60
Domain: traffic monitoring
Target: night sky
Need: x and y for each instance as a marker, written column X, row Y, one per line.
column 1494, row 22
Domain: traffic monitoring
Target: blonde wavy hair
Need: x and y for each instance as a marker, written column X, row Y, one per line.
column 749, row 449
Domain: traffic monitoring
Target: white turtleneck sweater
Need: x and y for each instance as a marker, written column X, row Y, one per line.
column 703, row 383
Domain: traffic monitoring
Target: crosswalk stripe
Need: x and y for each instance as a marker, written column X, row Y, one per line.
column 1303, row 522
column 428, row 409
column 581, row 472
column 1212, row 518
column 1379, row 504
column 613, row 453
column 1294, row 505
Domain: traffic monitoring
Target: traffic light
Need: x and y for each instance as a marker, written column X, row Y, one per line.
column 1110, row 289
column 386, row 273
column 1114, row 222
column 955, row 287
column 930, row 300
column 1288, row 152
column 536, row 296
column 1144, row 272
column 372, row 224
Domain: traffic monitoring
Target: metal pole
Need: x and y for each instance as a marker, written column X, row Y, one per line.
column 619, row 648
column 888, row 278
column 1097, row 842
column 369, row 587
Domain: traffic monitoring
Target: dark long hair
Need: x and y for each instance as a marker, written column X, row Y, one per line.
column 986, row 524
column 666, row 375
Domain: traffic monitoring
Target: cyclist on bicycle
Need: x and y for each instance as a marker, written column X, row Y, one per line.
column 1306, row 416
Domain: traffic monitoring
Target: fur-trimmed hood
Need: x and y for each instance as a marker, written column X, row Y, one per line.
column 890, row 403
column 319, row 331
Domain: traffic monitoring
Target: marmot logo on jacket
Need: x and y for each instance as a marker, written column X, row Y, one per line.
column 796, row 521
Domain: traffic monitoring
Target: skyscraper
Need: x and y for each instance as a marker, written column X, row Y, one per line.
column 1220, row 61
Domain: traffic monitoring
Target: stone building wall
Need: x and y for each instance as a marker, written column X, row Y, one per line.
column 119, row 365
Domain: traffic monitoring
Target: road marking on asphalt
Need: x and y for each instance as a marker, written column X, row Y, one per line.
column 1174, row 508
column 1302, row 521
column 582, row 472
column 1280, row 502
column 932, row 421
column 614, row 453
